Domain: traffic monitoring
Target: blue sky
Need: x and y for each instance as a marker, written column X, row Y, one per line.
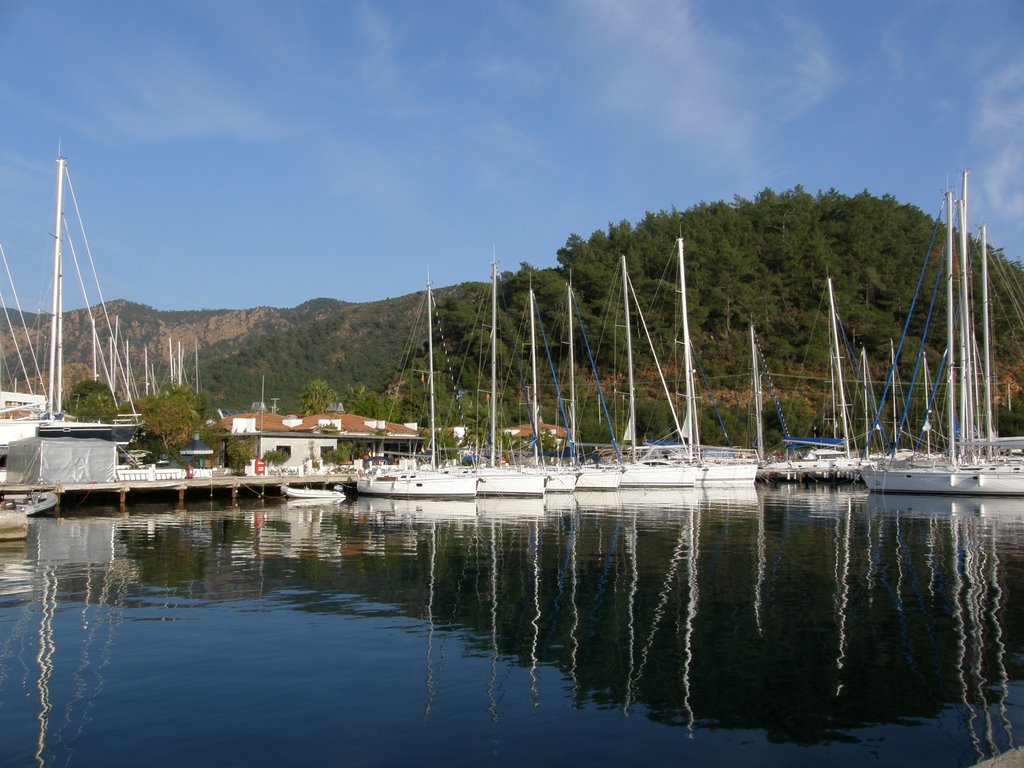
column 242, row 153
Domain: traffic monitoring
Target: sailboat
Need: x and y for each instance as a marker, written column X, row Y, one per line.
column 589, row 477
column 727, row 470
column 497, row 479
column 559, row 477
column 826, row 458
column 968, row 466
column 53, row 422
column 649, row 470
column 421, row 482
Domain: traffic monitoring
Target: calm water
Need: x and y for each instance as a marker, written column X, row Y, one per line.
column 773, row 627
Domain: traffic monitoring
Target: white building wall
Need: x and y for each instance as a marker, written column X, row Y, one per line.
column 301, row 447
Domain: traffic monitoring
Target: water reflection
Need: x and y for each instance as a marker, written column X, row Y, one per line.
column 812, row 618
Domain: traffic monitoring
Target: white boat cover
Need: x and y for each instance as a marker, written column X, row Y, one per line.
column 54, row 460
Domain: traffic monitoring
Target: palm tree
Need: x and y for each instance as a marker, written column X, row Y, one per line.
column 317, row 397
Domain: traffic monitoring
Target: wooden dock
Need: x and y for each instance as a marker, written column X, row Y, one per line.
column 226, row 486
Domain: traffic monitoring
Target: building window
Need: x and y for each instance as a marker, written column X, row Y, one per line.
column 285, row 449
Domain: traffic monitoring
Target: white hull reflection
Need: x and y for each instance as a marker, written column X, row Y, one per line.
column 932, row 505
column 730, row 495
column 434, row 508
column 639, row 498
column 509, row 508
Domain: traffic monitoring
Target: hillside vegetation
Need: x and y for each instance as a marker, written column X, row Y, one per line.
column 763, row 262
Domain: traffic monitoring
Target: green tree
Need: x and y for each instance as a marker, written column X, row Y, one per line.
column 239, row 452
column 170, row 416
column 275, row 458
column 363, row 401
column 340, row 455
column 90, row 400
column 317, row 397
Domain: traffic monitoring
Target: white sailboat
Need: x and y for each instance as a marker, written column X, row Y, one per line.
column 498, row 479
column 969, row 466
column 727, row 470
column 421, row 482
column 53, row 422
column 648, row 471
column 559, row 477
column 589, row 477
column 825, row 459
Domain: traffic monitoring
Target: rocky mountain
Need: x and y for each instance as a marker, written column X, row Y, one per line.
column 238, row 355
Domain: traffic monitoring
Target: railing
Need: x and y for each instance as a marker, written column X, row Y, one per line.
column 159, row 473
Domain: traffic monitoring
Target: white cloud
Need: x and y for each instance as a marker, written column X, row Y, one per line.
column 378, row 68
column 658, row 64
column 1001, row 102
column 170, row 95
column 363, row 173
column 811, row 74
column 701, row 78
column 998, row 123
column 1000, row 178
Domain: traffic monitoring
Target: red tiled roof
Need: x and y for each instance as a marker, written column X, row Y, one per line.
column 350, row 423
column 526, row 429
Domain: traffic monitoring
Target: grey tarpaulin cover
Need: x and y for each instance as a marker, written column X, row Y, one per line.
column 61, row 460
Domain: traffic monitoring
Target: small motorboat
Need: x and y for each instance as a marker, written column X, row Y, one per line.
column 33, row 503
column 315, row 494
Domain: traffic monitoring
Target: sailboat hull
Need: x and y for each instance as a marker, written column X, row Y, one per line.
column 560, row 480
column 509, row 482
column 426, row 484
column 658, row 475
column 116, row 433
column 602, row 478
column 980, row 480
column 738, row 473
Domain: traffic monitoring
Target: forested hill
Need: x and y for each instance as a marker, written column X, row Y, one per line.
column 763, row 262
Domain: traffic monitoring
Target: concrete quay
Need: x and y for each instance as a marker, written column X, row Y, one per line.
column 1012, row 759
column 231, row 486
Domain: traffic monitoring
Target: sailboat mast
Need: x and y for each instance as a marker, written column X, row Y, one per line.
column 895, row 385
column 572, row 377
column 690, row 422
column 757, row 395
column 928, row 410
column 837, row 370
column 950, row 315
column 989, row 430
column 867, row 407
column 494, row 362
column 966, row 358
column 430, row 373
column 629, row 361
column 534, row 405
column 54, row 396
